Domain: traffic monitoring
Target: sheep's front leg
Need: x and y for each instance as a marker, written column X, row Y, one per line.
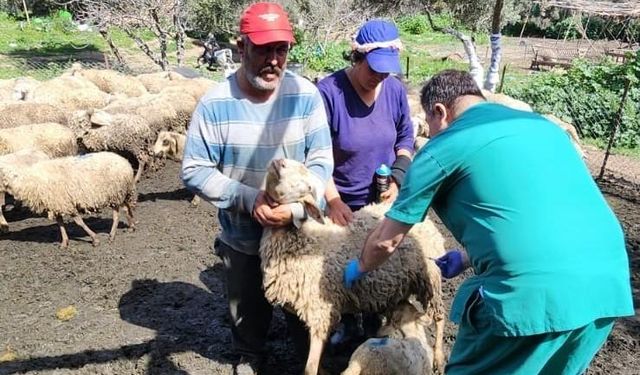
column 80, row 222
column 315, row 353
column 64, row 243
column 114, row 226
column 4, row 226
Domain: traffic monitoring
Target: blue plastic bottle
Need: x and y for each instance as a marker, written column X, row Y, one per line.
column 382, row 179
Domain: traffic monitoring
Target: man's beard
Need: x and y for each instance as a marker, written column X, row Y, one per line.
column 260, row 84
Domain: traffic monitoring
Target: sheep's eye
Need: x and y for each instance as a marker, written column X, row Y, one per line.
column 165, row 142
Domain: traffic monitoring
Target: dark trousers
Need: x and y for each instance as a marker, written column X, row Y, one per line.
column 250, row 311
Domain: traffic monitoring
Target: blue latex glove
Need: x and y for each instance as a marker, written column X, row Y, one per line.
column 451, row 264
column 352, row 273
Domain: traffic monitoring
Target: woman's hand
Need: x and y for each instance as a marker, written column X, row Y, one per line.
column 339, row 212
column 391, row 194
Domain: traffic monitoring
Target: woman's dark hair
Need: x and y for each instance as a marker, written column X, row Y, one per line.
column 447, row 86
column 353, row 56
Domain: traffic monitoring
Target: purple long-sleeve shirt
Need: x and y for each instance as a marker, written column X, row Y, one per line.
column 364, row 137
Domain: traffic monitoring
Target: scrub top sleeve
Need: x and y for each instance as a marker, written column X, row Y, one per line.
column 421, row 183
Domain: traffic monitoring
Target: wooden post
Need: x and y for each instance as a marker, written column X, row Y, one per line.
column 616, row 125
column 407, row 75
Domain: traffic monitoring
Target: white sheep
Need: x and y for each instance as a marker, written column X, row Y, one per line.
column 75, row 185
column 402, row 347
column 303, row 268
column 121, row 133
column 109, row 81
column 53, row 139
column 22, row 158
column 18, row 113
column 171, row 145
column 164, row 111
column 70, row 93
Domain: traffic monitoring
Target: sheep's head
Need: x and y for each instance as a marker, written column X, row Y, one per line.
column 408, row 317
column 167, row 145
column 290, row 181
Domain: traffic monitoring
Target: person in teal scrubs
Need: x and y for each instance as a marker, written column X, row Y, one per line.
column 551, row 272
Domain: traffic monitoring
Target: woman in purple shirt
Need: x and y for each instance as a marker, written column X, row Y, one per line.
column 370, row 121
column 370, row 124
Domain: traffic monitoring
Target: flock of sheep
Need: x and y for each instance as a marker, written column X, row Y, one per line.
column 78, row 143
column 69, row 145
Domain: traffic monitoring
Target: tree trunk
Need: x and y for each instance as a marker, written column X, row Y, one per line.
column 105, row 34
column 162, row 37
column 180, row 34
column 475, row 68
column 144, row 47
column 493, row 73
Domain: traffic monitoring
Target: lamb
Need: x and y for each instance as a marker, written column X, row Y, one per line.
column 18, row 113
column 120, row 133
column 402, row 349
column 303, row 268
column 20, row 159
column 171, row 145
column 53, row 139
column 74, row 185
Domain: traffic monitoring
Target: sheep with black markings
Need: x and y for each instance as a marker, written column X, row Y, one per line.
column 303, row 268
column 75, row 185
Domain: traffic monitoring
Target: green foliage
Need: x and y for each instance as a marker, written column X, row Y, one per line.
column 589, row 96
column 316, row 56
column 415, row 24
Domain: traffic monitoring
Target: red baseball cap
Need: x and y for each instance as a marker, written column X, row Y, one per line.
column 266, row 23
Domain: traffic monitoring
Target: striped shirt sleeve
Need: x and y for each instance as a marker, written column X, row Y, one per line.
column 200, row 165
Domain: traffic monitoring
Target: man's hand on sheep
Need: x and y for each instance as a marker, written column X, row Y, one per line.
column 339, row 212
column 270, row 214
column 453, row 263
column 352, row 273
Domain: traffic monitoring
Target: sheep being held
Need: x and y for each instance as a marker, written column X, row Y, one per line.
column 75, row 185
column 303, row 268
column 401, row 349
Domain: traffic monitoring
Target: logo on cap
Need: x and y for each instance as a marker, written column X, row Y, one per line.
column 269, row 17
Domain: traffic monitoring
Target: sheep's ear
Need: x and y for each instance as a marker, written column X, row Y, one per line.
column 416, row 304
column 312, row 209
column 174, row 145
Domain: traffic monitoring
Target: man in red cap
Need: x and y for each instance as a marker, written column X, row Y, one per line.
column 260, row 113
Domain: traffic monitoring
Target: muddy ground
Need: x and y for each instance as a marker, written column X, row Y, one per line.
column 152, row 301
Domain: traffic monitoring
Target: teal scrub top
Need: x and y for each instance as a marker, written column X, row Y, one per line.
column 547, row 250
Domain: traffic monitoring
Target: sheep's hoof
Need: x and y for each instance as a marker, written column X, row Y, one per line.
column 95, row 242
column 64, row 245
column 4, row 228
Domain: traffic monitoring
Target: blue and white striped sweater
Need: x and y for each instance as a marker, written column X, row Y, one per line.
column 231, row 141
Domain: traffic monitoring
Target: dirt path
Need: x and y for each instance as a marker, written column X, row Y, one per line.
column 151, row 302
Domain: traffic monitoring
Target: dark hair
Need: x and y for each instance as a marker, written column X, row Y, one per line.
column 353, row 56
column 446, row 87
